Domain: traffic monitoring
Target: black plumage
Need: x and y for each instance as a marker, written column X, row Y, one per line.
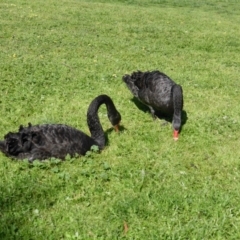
column 57, row 140
column 159, row 92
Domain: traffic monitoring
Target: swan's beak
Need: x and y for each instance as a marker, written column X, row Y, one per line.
column 175, row 135
column 116, row 127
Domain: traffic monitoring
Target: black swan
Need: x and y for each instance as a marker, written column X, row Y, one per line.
column 57, row 140
column 159, row 93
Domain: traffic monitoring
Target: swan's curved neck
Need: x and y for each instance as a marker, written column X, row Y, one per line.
column 93, row 121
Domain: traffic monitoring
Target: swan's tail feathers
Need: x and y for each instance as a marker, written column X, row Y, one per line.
column 130, row 82
column 178, row 106
column 15, row 143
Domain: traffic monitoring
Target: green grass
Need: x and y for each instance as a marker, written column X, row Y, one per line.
column 56, row 56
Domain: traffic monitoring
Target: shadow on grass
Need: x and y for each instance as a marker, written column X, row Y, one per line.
column 110, row 130
column 159, row 115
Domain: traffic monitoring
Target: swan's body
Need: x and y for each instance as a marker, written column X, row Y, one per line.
column 159, row 93
column 57, row 140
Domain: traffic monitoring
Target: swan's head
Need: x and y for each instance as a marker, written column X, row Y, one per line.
column 116, row 127
column 115, row 119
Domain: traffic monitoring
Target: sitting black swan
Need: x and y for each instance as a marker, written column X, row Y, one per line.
column 159, row 93
column 58, row 140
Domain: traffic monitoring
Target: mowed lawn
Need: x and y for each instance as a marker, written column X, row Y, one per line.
column 56, row 56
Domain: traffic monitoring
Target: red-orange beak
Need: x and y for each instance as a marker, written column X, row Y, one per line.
column 116, row 127
column 175, row 135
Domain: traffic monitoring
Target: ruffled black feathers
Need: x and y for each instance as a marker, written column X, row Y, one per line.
column 158, row 92
column 58, row 140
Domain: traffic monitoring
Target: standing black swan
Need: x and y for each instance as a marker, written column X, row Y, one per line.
column 159, row 93
column 58, row 140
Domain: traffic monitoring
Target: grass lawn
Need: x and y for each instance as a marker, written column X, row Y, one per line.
column 56, row 56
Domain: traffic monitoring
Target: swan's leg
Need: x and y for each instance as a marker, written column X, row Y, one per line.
column 177, row 106
column 152, row 111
